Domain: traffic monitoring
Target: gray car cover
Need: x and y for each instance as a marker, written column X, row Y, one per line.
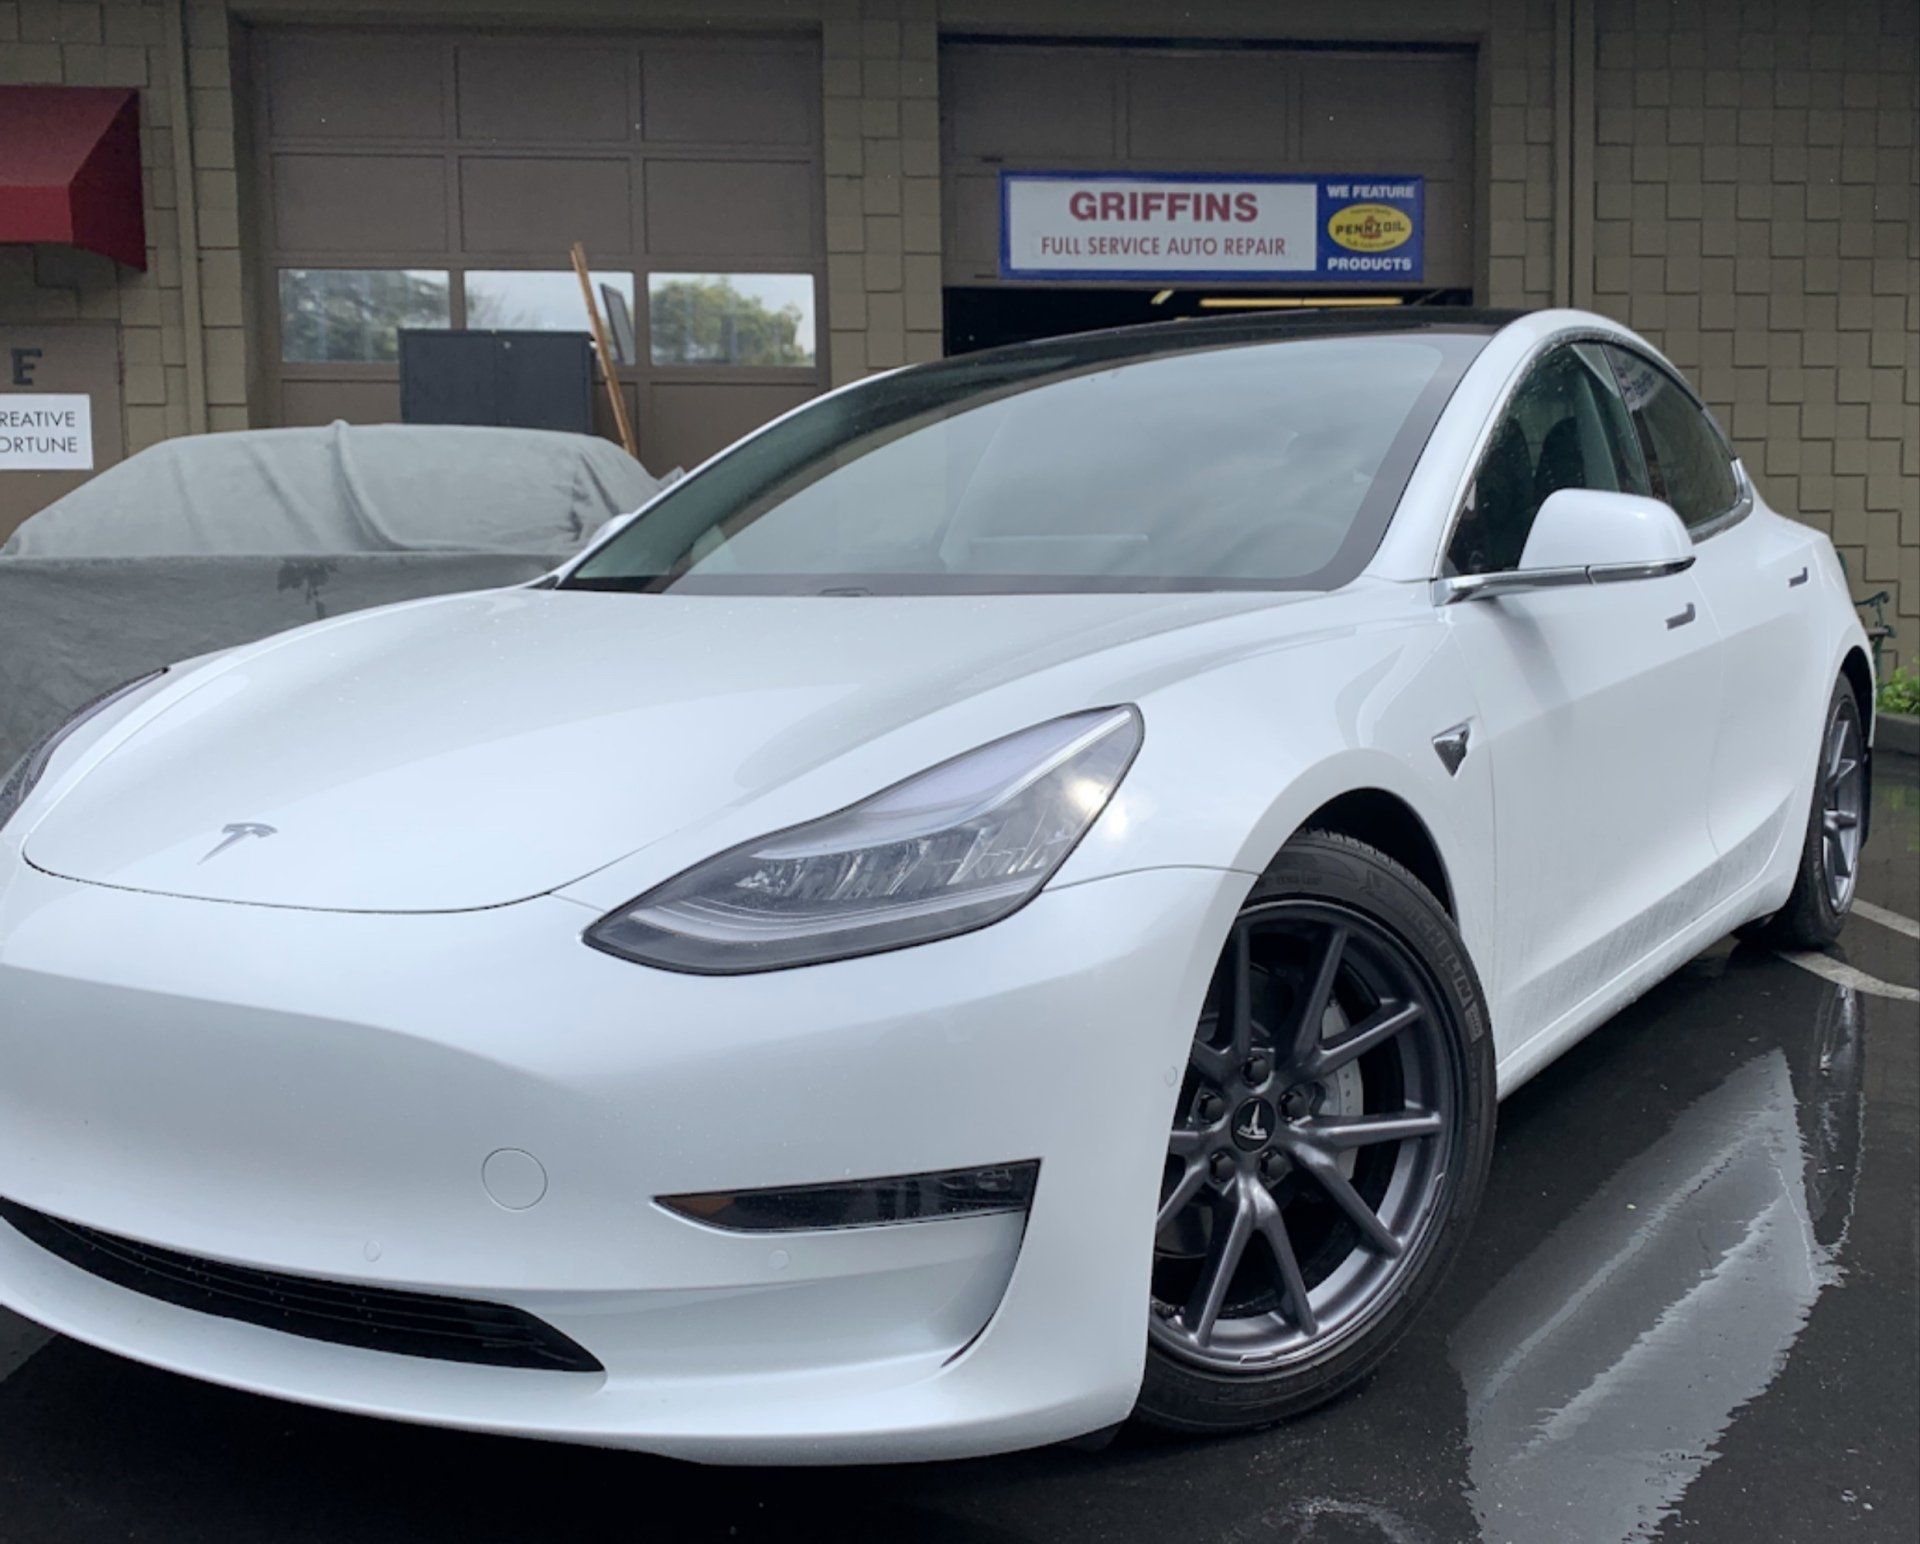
column 203, row 543
column 343, row 488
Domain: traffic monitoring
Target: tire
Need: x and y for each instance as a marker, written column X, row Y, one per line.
column 1822, row 896
column 1283, row 1339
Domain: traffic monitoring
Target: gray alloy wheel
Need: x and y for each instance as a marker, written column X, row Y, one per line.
column 1829, row 872
column 1329, row 1142
column 1842, row 804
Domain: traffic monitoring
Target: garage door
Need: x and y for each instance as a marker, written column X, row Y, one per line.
column 438, row 180
column 1182, row 111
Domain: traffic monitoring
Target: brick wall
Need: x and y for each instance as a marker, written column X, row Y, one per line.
column 124, row 43
column 882, row 116
column 1756, row 216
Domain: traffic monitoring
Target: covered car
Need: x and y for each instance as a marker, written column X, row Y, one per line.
column 201, row 543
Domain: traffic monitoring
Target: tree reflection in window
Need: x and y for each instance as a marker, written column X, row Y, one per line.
column 354, row 315
column 731, row 319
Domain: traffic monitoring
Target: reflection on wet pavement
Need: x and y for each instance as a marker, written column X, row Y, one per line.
column 1687, row 1312
column 1701, row 1257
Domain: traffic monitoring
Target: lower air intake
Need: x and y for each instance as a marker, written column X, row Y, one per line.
column 445, row 1329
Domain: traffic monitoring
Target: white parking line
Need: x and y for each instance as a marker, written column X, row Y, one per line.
column 1845, row 975
column 1886, row 918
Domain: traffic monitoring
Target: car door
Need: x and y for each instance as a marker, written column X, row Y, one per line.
column 1755, row 571
column 1597, row 710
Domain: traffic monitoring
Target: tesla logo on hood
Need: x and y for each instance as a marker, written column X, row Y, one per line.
column 238, row 832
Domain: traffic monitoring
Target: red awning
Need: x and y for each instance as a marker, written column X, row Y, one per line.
column 70, row 169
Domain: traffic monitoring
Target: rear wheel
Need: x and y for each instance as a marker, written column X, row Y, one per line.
column 1330, row 1143
column 1830, row 852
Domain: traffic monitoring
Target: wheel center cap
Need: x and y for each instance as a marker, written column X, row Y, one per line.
column 1253, row 1124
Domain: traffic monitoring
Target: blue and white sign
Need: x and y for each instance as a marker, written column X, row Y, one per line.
column 1152, row 226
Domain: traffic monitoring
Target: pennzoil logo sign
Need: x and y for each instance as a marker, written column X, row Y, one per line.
column 1370, row 227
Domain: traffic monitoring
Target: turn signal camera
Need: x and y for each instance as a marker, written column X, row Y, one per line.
column 864, row 1203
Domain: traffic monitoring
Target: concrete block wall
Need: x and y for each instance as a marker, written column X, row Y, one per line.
column 881, row 80
column 1519, row 154
column 126, row 43
column 1757, row 215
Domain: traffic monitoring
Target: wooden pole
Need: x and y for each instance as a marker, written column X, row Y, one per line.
column 605, row 350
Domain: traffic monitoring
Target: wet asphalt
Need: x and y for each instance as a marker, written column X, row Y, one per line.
column 1688, row 1312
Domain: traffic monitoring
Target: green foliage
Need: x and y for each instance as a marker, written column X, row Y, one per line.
column 708, row 321
column 1900, row 692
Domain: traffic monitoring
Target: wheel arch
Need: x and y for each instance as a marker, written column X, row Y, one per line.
column 1859, row 676
column 1857, row 672
column 1388, row 823
column 1435, row 827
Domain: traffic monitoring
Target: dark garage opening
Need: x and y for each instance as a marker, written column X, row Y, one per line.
column 985, row 316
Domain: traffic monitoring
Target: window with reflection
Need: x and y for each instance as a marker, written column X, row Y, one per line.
column 731, row 318
column 538, row 300
column 1204, row 459
column 354, row 315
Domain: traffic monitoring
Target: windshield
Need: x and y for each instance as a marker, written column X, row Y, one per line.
column 1213, row 462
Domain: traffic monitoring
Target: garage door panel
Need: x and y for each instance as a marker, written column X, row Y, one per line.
column 739, row 97
column 1377, row 110
column 692, row 420
column 1205, row 110
column 603, row 422
column 532, row 204
column 470, row 148
column 304, row 403
column 360, row 203
column 512, row 92
column 1030, row 103
column 733, row 209
column 326, row 86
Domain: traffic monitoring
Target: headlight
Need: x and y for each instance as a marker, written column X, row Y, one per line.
column 29, row 769
column 959, row 846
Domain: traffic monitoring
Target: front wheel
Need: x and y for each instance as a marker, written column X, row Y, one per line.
column 1330, row 1143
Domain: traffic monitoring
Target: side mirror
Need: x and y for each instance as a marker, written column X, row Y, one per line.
column 1585, row 536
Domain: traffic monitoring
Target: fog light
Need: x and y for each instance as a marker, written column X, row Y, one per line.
column 864, row 1203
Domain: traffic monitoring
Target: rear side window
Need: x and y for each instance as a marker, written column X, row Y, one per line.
column 1687, row 461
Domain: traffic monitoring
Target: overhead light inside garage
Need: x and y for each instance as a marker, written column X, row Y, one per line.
column 1291, row 302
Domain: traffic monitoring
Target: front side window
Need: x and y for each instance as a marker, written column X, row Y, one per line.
column 1258, row 464
column 1566, row 427
column 1686, row 458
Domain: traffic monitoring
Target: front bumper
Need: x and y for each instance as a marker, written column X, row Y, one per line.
column 319, row 1093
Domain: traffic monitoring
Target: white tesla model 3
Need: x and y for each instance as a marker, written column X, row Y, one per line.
column 1004, row 901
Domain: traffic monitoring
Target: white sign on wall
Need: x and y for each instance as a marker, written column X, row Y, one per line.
column 1173, row 225
column 46, row 431
column 1108, row 226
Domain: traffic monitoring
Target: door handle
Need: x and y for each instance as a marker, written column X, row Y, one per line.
column 1798, row 579
column 1682, row 619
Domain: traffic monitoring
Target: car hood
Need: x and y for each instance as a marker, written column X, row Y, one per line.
column 475, row 750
